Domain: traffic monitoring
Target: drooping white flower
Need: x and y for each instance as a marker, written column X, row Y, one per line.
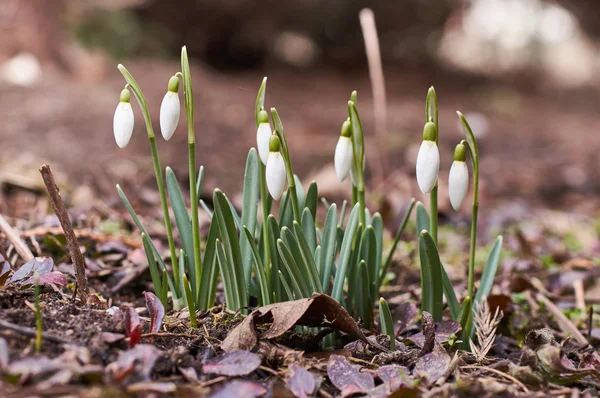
column 428, row 160
column 344, row 153
column 458, row 179
column 263, row 135
column 275, row 171
column 170, row 109
column 123, row 120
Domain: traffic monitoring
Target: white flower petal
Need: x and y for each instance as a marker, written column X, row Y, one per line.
column 458, row 183
column 123, row 124
column 263, row 135
column 275, row 174
column 169, row 114
column 428, row 166
column 343, row 157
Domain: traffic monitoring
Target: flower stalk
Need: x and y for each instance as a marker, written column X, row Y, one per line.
column 264, row 194
column 431, row 115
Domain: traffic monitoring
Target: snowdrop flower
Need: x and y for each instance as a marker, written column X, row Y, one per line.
column 428, row 159
column 263, row 135
column 344, row 152
column 458, row 181
column 123, row 120
column 169, row 109
column 275, row 172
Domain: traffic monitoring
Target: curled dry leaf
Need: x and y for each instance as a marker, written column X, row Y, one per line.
column 156, row 310
column 240, row 389
column 132, row 325
column 428, row 333
column 405, row 315
column 347, row 377
column 136, row 362
column 234, row 363
column 319, row 310
column 301, row 382
column 393, row 375
column 43, row 267
column 443, row 330
column 433, row 365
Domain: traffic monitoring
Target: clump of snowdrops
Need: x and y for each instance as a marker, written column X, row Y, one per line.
column 291, row 254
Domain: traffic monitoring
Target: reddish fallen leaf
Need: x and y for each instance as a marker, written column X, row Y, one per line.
column 347, row 377
column 43, row 267
column 137, row 361
column 432, row 366
column 132, row 325
column 189, row 374
column 156, row 310
column 443, row 330
column 301, row 382
column 234, row 363
column 240, row 389
column 319, row 310
column 428, row 333
column 405, row 316
column 32, row 366
column 111, row 338
column 393, row 375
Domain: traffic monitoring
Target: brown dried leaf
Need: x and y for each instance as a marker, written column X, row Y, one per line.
column 240, row 389
column 137, row 362
column 132, row 325
column 393, row 375
column 156, row 310
column 301, row 382
column 405, row 315
column 347, row 378
column 434, row 365
column 319, row 310
column 152, row 386
column 4, row 359
column 429, row 333
column 234, row 363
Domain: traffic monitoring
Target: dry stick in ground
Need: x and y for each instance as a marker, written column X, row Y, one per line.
column 565, row 324
column 65, row 222
column 30, row 332
column 369, row 30
column 13, row 237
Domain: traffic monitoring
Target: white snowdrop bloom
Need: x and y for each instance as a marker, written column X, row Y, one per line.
column 344, row 152
column 428, row 160
column 458, row 179
column 263, row 135
column 275, row 171
column 123, row 120
column 170, row 109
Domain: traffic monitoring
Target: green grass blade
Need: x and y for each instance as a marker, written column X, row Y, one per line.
column 453, row 304
column 206, row 208
column 328, row 247
column 353, row 268
column 431, row 276
column 154, row 272
column 368, row 253
column 178, row 304
column 190, row 300
column 344, row 260
column 311, row 200
column 386, row 323
column 259, row 270
column 184, row 225
column 286, row 287
column 293, row 271
column 390, row 256
column 377, row 224
column 308, row 229
column 164, row 289
column 210, row 269
column 489, row 272
column 273, row 228
column 260, row 98
column 317, row 259
column 299, row 192
column 249, row 210
column 231, row 293
column 307, row 255
column 199, row 181
column 363, row 297
column 293, row 246
column 228, row 232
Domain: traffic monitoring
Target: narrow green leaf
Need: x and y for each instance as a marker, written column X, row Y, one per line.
column 199, row 181
column 325, row 203
column 386, row 323
column 260, row 98
column 299, row 192
column 293, row 271
column 184, row 225
column 210, row 269
column 309, row 230
column 311, row 199
column 259, row 270
column 463, row 315
column 422, row 218
column 273, row 228
column 329, row 247
column 286, row 287
column 292, row 244
column 249, row 209
column 489, row 271
column 164, row 289
column 377, row 224
column 317, row 258
column 342, row 213
column 390, row 256
column 358, row 144
column 344, row 260
column 453, row 304
column 190, row 300
column 353, row 269
column 307, row 256
column 206, row 208
column 154, row 272
column 228, row 233
column 363, row 298
column 229, row 282
column 431, row 276
column 179, row 282
column 286, row 213
column 368, row 253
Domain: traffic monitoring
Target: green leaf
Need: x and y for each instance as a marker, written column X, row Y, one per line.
column 273, row 228
column 309, row 230
column 329, row 247
column 431, row 276
column 386, row 323
column 206, row 208
column 231, row 292
column 184, row 225
column 390, row 256
column 307, row 256
column 286, row 287
column 368, row 253
column 260, row 99
column 286, row 213
column 190, row 300
column 377, row 224
column 179, row 282
column 311, row 199
column 210, row 269
column 293, row 246
column 363, row 298
column 470, row 137
column 249, row 209
column 422, row 218
column 489, row 271
column 464, row 313
column 345, row 251
column 231, row 245
column 259, row 270
column 358, row 143
column 164, row 289
column 199, row 181
column 450, row 295
column 292, row 270
column 154, row 272
column 299, row 192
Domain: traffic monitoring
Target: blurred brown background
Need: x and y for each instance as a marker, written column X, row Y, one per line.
column 524, row 72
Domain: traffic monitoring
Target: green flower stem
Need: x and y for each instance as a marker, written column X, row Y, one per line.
column 295, row 207
column 471, row 283
column 431, row 115
column 361, row 203
column 189, row 113
column 358, row 148
column 139, row 95
column 433, row 213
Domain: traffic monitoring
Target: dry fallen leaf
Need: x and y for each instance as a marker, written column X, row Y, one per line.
column 301, row 382
column 234, row 363
column 319, row 310
column 347, row 377
column 156, row 311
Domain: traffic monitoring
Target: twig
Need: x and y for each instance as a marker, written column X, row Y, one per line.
column 65, row 222
column 190, row 336
column 579, row 294
column 30, row 332
column 590, row 321
column 369, row 30
column 13, row 237
column 565, row 324
column 496, row 371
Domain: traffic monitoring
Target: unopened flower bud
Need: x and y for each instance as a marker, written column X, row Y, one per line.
column 263, row 136
column 275, row 171
column 458, row 179
column 123, row 120
column 170, row 109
